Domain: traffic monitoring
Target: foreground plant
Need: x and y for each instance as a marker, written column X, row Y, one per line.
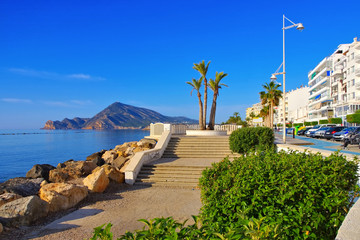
column 305, row 195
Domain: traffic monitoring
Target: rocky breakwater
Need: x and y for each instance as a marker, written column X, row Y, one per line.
column 46, row 188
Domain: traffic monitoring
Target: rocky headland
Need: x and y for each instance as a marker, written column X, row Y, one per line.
column 47, row 189
column 117, row 116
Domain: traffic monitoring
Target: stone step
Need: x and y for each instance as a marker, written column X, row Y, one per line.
column 169, row 178
column 169, row 184
column 210, row 156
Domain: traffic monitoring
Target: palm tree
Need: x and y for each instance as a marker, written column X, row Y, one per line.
column 215, row 85
column 264, row 113
column 196, row 84
column 202, row 69
column 271, row 96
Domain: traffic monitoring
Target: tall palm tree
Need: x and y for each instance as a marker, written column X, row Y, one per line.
column 202, row 69
column 215, row 85
column 271, row 96
column 196, row 84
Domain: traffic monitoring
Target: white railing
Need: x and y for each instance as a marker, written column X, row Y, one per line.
column 180, row 129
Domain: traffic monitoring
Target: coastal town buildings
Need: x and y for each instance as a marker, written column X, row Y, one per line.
column 296, row 106
column 253, row 113
column 334, row 84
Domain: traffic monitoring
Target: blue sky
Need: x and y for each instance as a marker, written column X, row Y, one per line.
column 74, row 58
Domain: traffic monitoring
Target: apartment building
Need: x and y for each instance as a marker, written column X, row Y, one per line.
column 334, row 84
column 296, row 106
column 256, row 108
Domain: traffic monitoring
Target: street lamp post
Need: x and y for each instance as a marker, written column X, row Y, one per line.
column 299, row 26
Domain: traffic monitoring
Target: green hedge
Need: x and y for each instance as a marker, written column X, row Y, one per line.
column 295, row 195
column 335, row 120
column 353, row 118
column 244, row 140
column 307, row 123
column 314, row 123
column 298, row 124
column 324, row 121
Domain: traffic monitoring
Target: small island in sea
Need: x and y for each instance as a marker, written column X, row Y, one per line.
column 117, row 116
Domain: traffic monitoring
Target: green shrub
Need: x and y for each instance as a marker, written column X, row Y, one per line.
column 289, row 125
column 298, row 124
column 244, row 140
column 307, row 123
column 353, row 118
column 323, row 121
column 301, row 195
column 335, row 120
column 314, row 123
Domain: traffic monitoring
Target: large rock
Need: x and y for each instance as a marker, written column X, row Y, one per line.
column 61, row 196
column 110, row 156
column 71, row 170
column 96, row 158
column 1, row 228
column 112, row 173
column 23, row 211
column 8, row 197
column 147, row 143
column 119, row 162
column 97, row 181
column 40, row 171
column 22, row 186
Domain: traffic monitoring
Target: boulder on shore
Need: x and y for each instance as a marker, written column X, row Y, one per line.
column 1, row 228
column 112, row 173
column 62, row 196
column 23, row 211
column 71, row 170
column 97, row 181
column 109, row 156
column 96, row 158
column 40, row 171
column 22, row 186
column 8, row 197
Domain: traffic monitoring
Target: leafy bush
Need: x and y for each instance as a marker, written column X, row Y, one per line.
column 298, row 124
column 244, row 140
column 307, row 123
column 335, row 120
column 324, row 121
column 353, row 118
column 168, row 228
column 289, row 125
column 296, row 195
column 314, row 123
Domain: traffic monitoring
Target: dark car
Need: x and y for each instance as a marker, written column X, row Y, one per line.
column 339, row 136
column 302, row 131
column 329, row 134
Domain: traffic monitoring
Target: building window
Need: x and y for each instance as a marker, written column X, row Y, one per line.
column 353, row 95
column 352, row 69
column 353, row 82
column 352, row 56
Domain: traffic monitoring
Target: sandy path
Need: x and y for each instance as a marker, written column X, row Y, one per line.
column 122, row 207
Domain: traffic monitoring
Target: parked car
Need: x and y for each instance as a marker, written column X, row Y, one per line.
column 339, row 136
column 329, row 134
column 302, row 131
column 321, row 132
column 289, row 130
column 317, row 127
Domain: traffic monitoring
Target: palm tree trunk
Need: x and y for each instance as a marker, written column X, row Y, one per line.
column 205, row 102
column 271, row 114
column 212, row 112
column 201, row 122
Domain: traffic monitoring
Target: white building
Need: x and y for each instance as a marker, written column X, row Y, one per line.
column 296, row 106
column 334, row 84
column 255, row 109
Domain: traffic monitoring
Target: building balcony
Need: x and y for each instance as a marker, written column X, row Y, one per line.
column 324, row 89
column 357, row 58
column 323, row 98
column 338, row 72
column 322, row 81
column 319, row 66
column 357, row 72
column 312, row 81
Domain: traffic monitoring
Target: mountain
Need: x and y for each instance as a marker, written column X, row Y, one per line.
column 117, row 116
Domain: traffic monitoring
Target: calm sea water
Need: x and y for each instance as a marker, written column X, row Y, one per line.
column 21, row 149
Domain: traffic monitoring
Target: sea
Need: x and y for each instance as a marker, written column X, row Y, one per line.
column 21, row 149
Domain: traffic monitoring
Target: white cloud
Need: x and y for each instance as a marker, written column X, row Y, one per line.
column 81, row 102
column 16, row 100
column 55, row 76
